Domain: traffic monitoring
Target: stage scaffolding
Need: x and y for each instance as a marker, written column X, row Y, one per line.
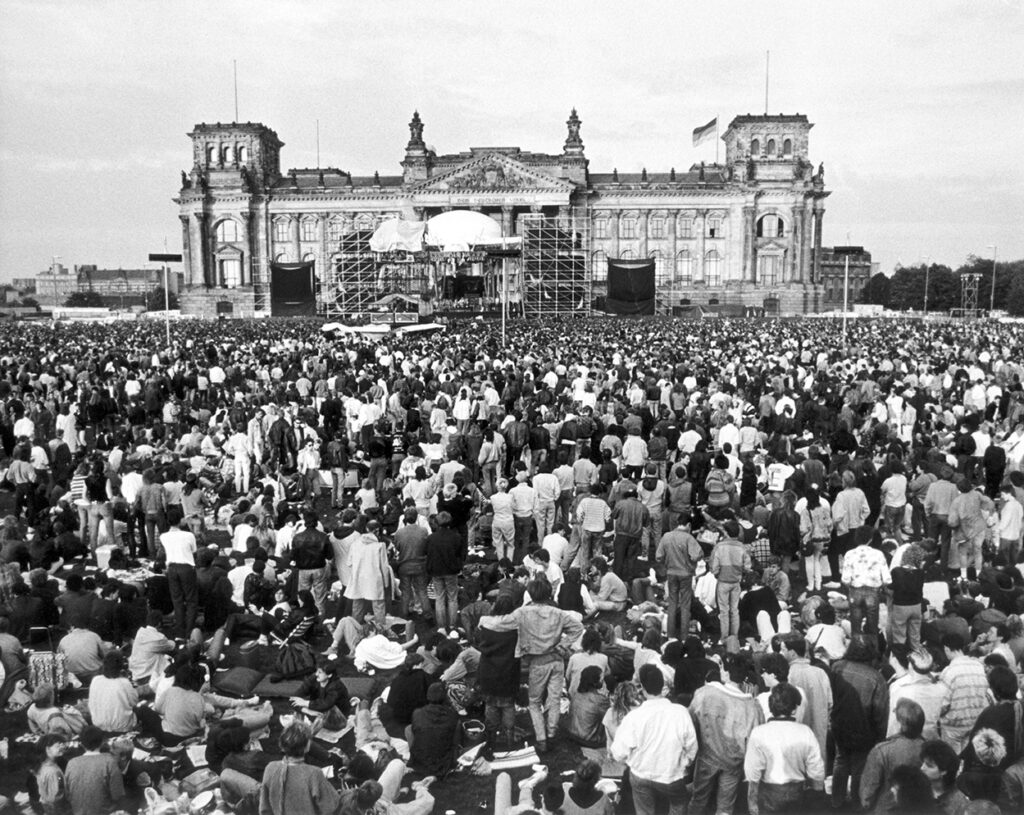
column 556, row 272
column 351, row 286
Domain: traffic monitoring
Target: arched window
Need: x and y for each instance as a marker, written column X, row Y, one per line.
column 660, row 268
column 684, row 268
column 771, row 147
column 308, row 230
column 770, row 226
column 599, row 266
column 787, row 147
column 211, row 154
column 229, row 155
column 281, row 257
column 243, row 154
column 755, row 147
column 309, row 257
column 627, row 254
column 227, row 231
column 713, row 268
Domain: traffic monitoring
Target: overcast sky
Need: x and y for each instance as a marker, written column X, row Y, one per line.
column 918, row 106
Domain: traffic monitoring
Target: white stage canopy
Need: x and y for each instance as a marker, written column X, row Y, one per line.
column 460, row 230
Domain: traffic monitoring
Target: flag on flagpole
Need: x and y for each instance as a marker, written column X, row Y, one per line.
column 708, row 131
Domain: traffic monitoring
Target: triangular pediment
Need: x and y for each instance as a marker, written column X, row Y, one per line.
column 496, row 173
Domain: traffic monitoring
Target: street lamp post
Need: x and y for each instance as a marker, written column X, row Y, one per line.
column 992, row 294
column 53, row 273
column 927, row 271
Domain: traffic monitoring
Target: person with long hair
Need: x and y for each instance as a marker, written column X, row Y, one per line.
column 587, row 706
column 815, row 534
column 497, row 676
column 50, row 784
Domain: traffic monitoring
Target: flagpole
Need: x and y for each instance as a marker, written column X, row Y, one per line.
column 767, row 63
column 716, row 138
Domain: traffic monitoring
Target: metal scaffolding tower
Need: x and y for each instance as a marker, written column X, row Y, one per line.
column 351, row 285
column 556, row 268
column 969, row 294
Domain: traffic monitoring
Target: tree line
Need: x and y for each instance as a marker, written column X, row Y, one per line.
column 906, row 288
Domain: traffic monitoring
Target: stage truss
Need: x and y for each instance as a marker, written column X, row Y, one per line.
column 551, row 278
column 556, row 276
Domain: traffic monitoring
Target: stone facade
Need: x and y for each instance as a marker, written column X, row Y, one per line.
column 833, row 273
column 747, row 231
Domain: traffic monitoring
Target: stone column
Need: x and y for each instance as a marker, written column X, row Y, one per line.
column 186, row 248
column 701, row 225
column 614, row 223
column 749, row 244
column 796, row 273
column 201, row 251
column 245, row 272
column 296, row 244
column 673, row 246
column 819, row 215
column 507, row 222
column 324, row 254
column 642, row 232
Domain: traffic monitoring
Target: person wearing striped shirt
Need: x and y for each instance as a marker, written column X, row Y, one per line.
column 593, row 515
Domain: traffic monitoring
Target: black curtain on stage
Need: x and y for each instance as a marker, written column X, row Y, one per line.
column 630, row 287
column 291, row 290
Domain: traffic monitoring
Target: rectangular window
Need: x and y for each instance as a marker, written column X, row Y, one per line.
column 601, row 228
column 281, row 232
column 231, row 273
column 309, row 230
column 334, row 230
column 714, row 228
column 627, row 228
column 657, row 227
column 686, row 228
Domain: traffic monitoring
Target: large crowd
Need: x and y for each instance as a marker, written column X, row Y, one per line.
column 715, row 566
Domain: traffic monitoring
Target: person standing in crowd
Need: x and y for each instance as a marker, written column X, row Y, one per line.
column 850, row 510
column 543, row 631
column 658, row 742
column 179, row 547
column 865, row 574
column 966, row 692
column 783, row 763
column 729, row 562
column 311, row 555
column 446, row 553
column 680, row 553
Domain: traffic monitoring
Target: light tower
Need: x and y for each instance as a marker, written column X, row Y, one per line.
column 969, row 294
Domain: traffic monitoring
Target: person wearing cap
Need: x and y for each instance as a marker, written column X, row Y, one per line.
column 729, row 562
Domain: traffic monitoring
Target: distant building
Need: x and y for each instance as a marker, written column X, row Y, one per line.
column 117, row 287
column 26, row 285
column 746, row 232
column 833, row 273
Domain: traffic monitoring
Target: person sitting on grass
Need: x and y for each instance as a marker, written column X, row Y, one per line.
column 324, row 690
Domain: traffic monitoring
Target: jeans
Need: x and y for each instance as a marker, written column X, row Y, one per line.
column 361, row 607
column 155, row 525
column 939, row 530
column 728, row 597
column 590, row 546
column 100, row 511
column 414, row 593
column 184, row 589
column 545, row 683
column 892, row 520
column 849, row 766
column 626, row 549
column 906, row 625
column 316, row 581
column 544, row 516
column 650, row 796
column 446, row 600
column 708, row 778
column 523, row 525
column 503, row 538
column 864, row 610
column 679, row 594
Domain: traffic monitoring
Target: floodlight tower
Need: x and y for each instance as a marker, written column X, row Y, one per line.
column 969, row 293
